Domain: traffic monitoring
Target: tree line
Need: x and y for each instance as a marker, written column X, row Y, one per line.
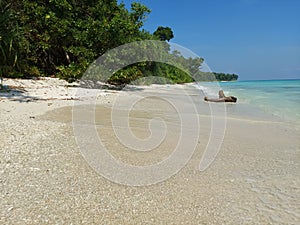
column 61, row 38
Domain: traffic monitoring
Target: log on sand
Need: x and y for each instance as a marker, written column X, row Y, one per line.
column 222, row 98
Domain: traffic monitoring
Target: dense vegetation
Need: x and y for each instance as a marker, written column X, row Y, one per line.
column 62, row 37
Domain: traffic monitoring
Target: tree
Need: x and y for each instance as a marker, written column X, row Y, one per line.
column 63, row 37
column 164, row 33
column 12, row 46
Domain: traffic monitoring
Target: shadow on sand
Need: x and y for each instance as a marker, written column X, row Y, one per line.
column 16, row 93
column 88, row 84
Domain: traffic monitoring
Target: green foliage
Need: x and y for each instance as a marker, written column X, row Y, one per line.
column 126, row 75
column 225, row 77
column 12, row 45
column 164, row 33
column 72, row 72
column 212, row 76
column 63, row 37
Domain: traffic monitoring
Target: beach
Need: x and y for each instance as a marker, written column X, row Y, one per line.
column 45, row 178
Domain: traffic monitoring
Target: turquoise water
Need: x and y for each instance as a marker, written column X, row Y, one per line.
column 277, row 97
column 263, row 98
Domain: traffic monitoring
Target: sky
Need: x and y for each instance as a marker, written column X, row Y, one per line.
column 256, row 39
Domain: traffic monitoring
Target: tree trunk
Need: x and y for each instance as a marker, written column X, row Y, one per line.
column 222, row 98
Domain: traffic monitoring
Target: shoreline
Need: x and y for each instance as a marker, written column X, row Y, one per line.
column 56, row 90
column 45, row 179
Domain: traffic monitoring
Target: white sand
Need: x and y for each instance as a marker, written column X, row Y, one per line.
column 45, row 180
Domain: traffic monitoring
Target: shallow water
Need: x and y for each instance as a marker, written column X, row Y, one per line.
column 278, row 97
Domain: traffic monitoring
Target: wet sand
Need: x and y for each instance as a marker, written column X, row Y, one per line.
column 45, row 179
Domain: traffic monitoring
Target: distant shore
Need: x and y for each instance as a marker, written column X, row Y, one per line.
column 45, row 179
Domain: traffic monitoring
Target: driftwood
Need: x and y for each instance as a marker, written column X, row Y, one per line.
column 222, row 98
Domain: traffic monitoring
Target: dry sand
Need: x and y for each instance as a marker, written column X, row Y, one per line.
column 44, row 178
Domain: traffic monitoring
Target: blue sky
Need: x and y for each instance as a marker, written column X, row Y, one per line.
column 256, row 39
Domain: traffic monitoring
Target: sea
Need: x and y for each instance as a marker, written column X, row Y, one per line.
column 261, row 98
